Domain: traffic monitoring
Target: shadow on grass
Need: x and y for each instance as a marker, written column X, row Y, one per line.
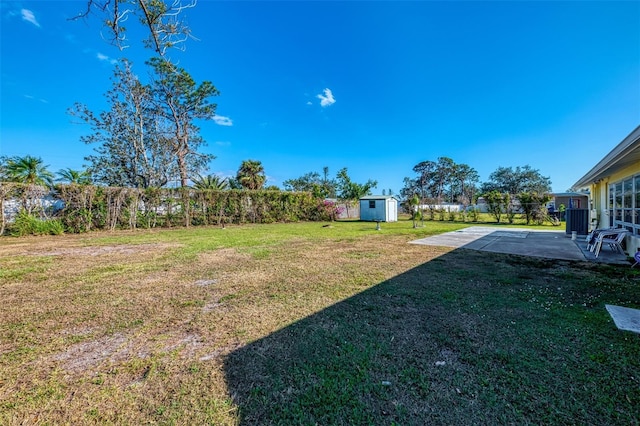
column 467, row 338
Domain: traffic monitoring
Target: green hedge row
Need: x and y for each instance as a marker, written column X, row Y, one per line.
column 82, row 208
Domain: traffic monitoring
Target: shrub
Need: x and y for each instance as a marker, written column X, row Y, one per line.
column 328, row 211
column 533, row 206
column 497, row 203
column 90, row 208
column 27, row 224
column 432, row 213
column 474, row 213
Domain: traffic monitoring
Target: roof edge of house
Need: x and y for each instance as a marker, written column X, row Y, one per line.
column 622, row 149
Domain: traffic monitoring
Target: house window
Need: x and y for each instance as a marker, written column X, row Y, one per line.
column 624, row 204
column 611, row 192
column 372, row 204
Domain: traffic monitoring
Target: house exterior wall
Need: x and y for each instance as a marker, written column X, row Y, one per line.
column 614, row 185
column 616, row 203
column 444, row 206
column 47, row 204
column 577, row 202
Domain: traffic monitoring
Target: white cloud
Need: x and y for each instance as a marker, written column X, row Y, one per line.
column 30, row 97
column 28, row 16
column 309, row 103
column 105, row 58
column 223, row 143
column 221, row 120
column 326, row 99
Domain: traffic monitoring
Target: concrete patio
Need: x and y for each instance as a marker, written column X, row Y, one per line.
column 524, row 242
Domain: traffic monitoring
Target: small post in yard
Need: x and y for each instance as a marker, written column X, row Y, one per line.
column 377, row 224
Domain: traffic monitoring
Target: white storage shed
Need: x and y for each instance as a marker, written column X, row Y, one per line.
column 379, row 208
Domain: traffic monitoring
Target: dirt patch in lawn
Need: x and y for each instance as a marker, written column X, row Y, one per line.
column 126, row 249
column 223, row 257
column 117, row 348
column 87, row 355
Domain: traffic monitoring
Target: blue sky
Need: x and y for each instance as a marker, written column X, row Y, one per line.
column 372, row 86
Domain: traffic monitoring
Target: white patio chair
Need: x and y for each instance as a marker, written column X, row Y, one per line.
column 591, row 239
column 616, row 243
column 637, row 258
column 612, row 239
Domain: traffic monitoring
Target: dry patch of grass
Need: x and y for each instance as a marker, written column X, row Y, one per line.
column 357, row 326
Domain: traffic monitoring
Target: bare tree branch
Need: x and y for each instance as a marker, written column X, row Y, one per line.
column 162, row 18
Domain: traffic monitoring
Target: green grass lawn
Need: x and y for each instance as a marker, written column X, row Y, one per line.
column 306, row 324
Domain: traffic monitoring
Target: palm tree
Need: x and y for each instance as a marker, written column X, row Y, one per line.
column 251, row 174
column 28, row 169
column 414, row 202
column 210, row 182
column 78, row 177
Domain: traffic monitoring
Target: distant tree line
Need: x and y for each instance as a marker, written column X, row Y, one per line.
column 508, row 191
column 525, row 185
column 514, row 181
column 441, row 181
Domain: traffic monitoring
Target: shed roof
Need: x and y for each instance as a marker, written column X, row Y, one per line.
column 377, row 197
column 625, row 154
column 570, row 194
